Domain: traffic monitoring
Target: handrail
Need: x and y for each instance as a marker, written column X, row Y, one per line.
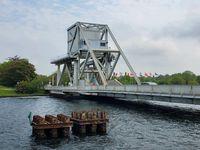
column 193, row 90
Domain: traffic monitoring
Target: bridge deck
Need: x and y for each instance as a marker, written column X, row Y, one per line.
column 170, row 93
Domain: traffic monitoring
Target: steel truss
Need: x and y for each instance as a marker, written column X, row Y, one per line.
column 85, row 61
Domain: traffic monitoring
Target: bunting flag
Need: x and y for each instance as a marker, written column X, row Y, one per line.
column 146, row 74
column 131, row 74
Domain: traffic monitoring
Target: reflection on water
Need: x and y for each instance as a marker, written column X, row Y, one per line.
column 130, row 127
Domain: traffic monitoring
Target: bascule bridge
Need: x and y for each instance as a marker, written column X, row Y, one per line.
column 92, row 55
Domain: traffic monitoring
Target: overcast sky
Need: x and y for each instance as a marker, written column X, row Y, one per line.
column 161, row 36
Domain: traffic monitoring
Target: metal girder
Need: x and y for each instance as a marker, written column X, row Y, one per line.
column 98, row 68
column 94, row 58
column 124, row 57
column 100, row 64
column 106, row 50
column 68, row 72
column 73, row 39
column 114, row 65
column 91, row 71
column 103, row 34
column 86, row 60
column 64, row 67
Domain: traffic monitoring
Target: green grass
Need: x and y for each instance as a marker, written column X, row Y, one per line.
column 7, row 91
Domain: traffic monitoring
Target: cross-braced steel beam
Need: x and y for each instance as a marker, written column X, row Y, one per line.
column 90, row 56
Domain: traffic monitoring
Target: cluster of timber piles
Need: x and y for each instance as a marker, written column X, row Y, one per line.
column 51, row 126
column 82, row 123
column 89, row 122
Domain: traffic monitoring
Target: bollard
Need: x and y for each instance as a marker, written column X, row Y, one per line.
column 82, row 116
column 94, row 115
column 52, row 119
column 39, row 120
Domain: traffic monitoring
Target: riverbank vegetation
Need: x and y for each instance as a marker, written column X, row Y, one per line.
column 185, row 78
column 11, row 92
column 18, row 78
column 7, row 91
column 34, row 86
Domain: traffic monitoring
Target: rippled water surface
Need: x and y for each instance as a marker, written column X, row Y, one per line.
column 129, row 127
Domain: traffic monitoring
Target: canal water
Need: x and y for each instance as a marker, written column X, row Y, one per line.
column 130, row 127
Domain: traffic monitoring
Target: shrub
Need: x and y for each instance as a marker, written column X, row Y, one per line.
column 22, row 87
column 35, row 86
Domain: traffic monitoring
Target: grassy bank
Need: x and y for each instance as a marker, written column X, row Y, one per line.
column 10, row 92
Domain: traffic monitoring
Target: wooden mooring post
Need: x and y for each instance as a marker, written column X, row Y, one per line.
column 89, row 122
column 51, row 126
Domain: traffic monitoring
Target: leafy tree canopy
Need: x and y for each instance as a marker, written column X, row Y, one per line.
column 177, row 79
column 16, row 69
column 198, row 79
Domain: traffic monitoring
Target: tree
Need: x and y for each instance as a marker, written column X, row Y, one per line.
column 198, row 79
column 126, row 79
column 189, row 77
column 177, row 80
column 15, row 70
column 163, row 79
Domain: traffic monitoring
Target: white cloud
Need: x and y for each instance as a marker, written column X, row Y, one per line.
column 157, row 36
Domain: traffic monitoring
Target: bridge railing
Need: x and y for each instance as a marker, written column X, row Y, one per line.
column 152, row 89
